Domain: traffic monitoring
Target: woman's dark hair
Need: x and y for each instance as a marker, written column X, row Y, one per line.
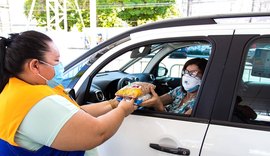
column 16, row 49
column 200, row 62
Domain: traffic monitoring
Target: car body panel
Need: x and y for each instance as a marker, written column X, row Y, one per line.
column 235, row 141
column 145, row 130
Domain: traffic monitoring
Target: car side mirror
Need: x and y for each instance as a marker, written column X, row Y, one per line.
column 162, row 71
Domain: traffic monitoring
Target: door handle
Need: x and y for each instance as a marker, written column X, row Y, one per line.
column 178, row 151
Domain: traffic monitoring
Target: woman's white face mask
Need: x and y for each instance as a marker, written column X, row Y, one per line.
column 191, row 84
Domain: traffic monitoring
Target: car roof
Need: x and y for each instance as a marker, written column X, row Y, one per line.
column 167, row 23
column 189, row 21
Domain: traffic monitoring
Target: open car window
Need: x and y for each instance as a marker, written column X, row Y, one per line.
column 157, row 63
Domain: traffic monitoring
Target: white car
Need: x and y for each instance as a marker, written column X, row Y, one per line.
column 217, row 126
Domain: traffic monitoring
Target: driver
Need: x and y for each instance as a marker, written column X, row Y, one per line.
column 182, row 99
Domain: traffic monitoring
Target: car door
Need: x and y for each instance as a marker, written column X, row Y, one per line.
column 151, row 133
column 240, row 123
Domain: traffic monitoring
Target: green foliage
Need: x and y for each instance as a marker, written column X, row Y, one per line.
column 110, row 13
column 137, row 12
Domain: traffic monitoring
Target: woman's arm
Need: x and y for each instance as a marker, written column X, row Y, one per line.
column 83, row 131
column 158, row 102
column 97, row 109
column 166, row 99
column 188, row 112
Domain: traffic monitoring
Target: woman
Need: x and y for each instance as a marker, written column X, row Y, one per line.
column 181, row 100
column 36, row 116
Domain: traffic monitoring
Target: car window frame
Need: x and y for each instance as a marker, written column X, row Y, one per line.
column 172, row 39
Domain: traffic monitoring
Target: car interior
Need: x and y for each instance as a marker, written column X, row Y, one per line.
column 157, row 63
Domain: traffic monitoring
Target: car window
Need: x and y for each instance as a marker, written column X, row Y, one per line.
column 253, row 100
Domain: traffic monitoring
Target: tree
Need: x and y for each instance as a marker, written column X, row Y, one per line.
column 110, row 13
column 106, row 16
column 136, row 12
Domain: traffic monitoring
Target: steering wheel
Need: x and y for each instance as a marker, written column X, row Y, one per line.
column 123, row 82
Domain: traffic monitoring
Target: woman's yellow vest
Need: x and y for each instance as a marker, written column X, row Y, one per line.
column 16, row 100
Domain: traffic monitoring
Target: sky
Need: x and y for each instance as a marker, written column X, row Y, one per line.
column 16, row 10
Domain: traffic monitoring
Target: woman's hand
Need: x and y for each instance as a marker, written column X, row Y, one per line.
column 113, row 103
column 155, row 101
column 127, row 105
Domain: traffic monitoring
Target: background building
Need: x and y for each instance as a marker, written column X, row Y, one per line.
column 205, row 7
